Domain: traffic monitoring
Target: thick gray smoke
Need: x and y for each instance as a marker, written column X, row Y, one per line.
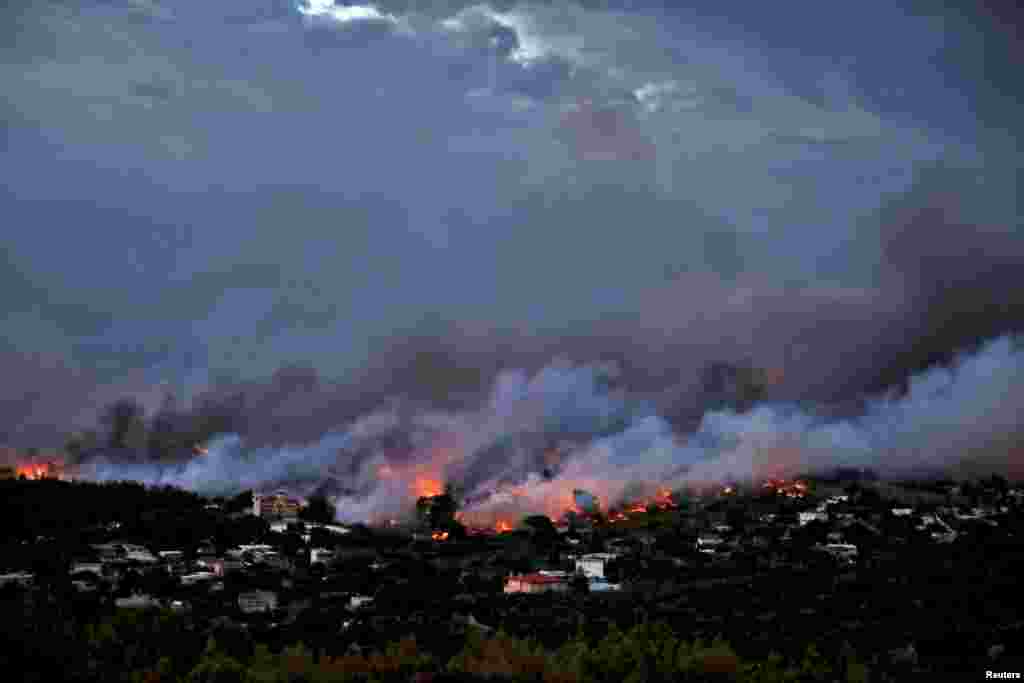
column 536, row 439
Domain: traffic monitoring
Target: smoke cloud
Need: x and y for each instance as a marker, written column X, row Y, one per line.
column 612, row 445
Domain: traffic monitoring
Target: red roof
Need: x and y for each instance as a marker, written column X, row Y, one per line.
column 538, row 579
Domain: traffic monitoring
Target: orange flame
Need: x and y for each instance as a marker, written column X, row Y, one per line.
column 502, row 526
column 439, row 535
column 425, row 487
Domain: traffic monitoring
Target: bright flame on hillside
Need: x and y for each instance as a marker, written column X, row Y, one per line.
column 790, row 489
column 425, row 487
column 502, row 526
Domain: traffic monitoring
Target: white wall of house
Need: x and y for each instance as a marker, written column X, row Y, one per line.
column 257, row 601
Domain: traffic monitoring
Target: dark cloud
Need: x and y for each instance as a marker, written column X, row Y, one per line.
column 407, row 208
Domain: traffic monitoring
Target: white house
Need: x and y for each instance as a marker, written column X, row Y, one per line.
column 257, row 601
column 357, row 601
column 137, row 602
column 92, row 567
column 593, row 564
column 197, row 577
column 138, row 553
column 23, row 579
column 708, row 544
column 320, row 556
column 846, row 551
column 808, row 517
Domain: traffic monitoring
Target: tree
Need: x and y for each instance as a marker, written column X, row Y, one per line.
column 125, row 423
column 319, row 509
column 240, row 503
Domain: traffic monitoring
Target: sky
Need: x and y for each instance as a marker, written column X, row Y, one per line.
column 406, row 199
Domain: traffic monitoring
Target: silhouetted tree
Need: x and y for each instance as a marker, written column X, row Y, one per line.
column 319, row 509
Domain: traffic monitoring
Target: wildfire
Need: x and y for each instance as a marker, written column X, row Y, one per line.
column 35, row 471
column 782, row 487
column 439, row 536
column 502, row 526
column 425, row 487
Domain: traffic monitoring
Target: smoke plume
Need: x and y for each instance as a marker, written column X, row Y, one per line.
column 537, row 440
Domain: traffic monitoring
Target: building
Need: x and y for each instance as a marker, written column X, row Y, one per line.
column 23, row 579
column 842, row 551
column 537, row 583
column 808, row 517
column 138, row 553
column 599, row 584
column 252, row 602
column 709, row 544
column 320, row 556
column 277, row 505
column 593, row 565
column 197, row 577
column 137, row 601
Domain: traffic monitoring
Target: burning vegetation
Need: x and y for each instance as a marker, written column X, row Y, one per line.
column 36, row 471
column 783, row 487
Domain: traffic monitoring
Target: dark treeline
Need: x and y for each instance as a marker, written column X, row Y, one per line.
column 70, row 515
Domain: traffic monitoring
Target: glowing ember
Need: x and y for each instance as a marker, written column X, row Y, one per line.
column 502, row 527
column 439, row 535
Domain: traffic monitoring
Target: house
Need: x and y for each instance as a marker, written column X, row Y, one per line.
column 320, row 556
column 138, row 553
column 23, row 579
column 709, row 544
column 599, row 584
column 87, row 567
column 593, row 565
column 197, row 577
column 843, row 551
column 358, row 601
column 252, row 602
column 536, row 583
column 805, row 518
column 276, row 506
column 137, row 602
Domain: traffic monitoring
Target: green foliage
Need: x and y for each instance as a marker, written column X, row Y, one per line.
column 161, row 647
